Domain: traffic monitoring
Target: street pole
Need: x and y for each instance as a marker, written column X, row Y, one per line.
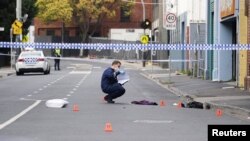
column 11, row 52
column 143, row 19
column 18, row 17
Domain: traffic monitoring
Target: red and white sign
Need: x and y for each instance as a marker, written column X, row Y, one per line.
column 169, row 14
column 170, row 21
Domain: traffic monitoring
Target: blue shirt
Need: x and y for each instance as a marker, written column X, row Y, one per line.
column 108, row 79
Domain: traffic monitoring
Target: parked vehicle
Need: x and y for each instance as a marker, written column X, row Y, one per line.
column 32, row 61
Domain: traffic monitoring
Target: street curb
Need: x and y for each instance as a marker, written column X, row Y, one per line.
column 231, row 110
column 6, row 74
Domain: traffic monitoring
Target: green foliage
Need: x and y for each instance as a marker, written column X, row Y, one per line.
column 53, row 10
column 8, row 16
column 83, row 12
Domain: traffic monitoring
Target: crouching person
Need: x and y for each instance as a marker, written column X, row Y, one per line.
column 109, row 82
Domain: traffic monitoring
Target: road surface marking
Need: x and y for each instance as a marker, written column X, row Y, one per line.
column 68, row 95
column 80, row 72
column 13, row 119
column 153, row 121
column 71, row 92
column 29, row 95
column 96, row 67
column 35, row 92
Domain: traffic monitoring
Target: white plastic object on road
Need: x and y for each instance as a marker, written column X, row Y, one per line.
column 175, row 104
column 56, row 103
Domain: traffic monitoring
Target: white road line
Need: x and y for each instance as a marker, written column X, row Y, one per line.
column 68, row 95
column 97, row 67
column 29, row 95
column 13, row 119
column 153, row 121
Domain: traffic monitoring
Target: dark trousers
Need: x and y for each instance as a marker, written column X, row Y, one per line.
column 57, row 64
column 115, row 91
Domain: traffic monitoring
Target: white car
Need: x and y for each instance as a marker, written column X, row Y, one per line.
column 32, row 61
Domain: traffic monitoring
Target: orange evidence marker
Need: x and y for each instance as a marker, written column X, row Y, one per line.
column 219, row 112
column 162, row 103
column 75, row 108
column 179, row 105
column 108, row 127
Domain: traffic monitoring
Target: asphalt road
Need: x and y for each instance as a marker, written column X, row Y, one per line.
column 24, row 116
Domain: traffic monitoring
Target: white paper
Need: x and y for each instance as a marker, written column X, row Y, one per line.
column 122, row 78
column 123, row 81
column 56, row 103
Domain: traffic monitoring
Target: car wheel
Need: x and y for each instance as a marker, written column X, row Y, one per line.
column 19, row 73
column 49, row 71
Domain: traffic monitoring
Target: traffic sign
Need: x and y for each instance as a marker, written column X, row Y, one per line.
column 17, row 27
column 170, row 21
column 144, row 39
column 1, row 28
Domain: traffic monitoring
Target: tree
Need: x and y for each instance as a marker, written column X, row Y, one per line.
column 55, row 10
column 83, row 12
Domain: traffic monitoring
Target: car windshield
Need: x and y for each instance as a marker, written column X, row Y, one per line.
column 33, row 54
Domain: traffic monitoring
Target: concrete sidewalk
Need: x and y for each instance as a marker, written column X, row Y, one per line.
column 6, row 71
column 212, row 95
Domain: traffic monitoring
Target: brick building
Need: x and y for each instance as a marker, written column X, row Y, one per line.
column 71, row 31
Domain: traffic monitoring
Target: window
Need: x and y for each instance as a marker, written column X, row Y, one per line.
column 124, row 17
column 50, row 32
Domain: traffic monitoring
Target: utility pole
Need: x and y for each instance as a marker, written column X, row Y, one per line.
column 143, row 19
column 18, row 17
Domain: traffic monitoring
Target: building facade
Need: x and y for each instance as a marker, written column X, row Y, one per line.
column 222, row 29
column 72, row 31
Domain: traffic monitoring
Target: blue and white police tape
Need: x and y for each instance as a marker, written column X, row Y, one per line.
column 111, row 46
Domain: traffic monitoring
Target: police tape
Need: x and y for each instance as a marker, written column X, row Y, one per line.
column 106, row 60
column 117, row 46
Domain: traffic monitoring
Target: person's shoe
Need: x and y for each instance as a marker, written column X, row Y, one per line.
column 110, row 101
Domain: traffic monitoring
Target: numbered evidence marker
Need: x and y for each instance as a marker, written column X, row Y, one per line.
column 219, row 112
column 144, row 39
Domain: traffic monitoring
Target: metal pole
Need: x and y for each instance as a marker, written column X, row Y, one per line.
column 18, row 17
column 18, row 9
column 143, row 19
column 11, row 57
column 169, row 77
column 151, row 57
